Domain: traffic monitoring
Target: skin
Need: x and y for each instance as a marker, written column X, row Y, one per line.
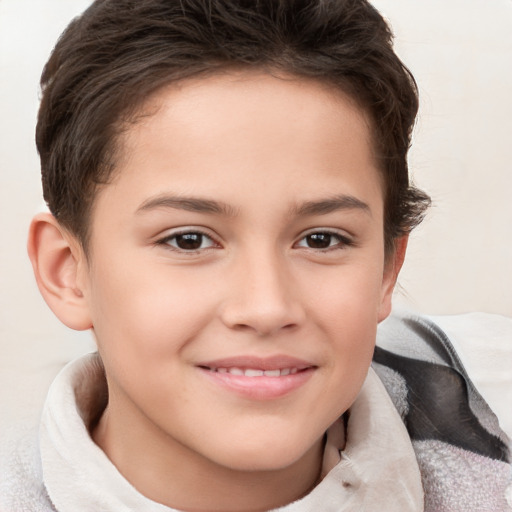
column 284, row 158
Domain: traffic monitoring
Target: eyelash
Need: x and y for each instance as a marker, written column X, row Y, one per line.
column 167, row 239
column 343, row 241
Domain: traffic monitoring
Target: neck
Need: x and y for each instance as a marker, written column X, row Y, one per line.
column 170, row 473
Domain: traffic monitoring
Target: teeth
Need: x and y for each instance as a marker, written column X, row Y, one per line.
column 254, row 372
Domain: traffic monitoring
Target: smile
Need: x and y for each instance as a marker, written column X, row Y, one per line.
column 254, row 372
column 258, row 378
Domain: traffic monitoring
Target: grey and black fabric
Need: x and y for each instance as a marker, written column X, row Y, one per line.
column 463, row 455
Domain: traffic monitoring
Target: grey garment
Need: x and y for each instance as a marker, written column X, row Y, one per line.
column 21, row 481
column 464, row 456
column 375, row 469
column 462, row 453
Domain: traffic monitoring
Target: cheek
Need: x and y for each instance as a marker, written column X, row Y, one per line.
column 147, row 314
column 346, row 310
column 348, row 297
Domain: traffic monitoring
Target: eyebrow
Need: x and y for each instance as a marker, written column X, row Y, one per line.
column 331, row 204
column 190, row 204
column 201, row 205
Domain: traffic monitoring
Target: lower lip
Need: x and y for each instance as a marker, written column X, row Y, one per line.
column 260, row 388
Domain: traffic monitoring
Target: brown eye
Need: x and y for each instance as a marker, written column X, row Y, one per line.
column 319, row 240
column 189, row 241
column 322, row 240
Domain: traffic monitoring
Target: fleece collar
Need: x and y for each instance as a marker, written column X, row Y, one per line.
column 371, row 466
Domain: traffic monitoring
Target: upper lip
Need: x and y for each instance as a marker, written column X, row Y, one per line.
column 277, row 362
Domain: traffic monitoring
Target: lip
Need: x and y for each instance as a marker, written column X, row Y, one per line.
column 260, row 387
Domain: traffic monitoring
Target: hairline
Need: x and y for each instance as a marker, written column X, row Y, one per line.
column 138, row 111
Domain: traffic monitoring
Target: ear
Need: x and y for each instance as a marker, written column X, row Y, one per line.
column 58, row 262
column 392, row 268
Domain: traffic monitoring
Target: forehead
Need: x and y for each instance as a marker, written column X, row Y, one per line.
column 216, row 105
column 240, row 133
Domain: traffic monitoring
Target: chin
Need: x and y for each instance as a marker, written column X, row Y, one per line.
column 264, row 456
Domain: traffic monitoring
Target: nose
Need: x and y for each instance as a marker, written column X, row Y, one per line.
column 262, row 296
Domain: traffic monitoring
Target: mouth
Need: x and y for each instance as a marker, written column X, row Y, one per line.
column 256, row 372
column 259, row 378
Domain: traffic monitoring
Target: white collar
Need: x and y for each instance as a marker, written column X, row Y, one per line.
column 377, row 469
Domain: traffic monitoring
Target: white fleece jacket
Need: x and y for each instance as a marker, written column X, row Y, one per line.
column 377, row 470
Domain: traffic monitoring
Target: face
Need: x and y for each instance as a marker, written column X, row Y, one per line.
column 236, row 272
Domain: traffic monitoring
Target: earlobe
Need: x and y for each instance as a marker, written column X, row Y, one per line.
column 392, row 269
column 56, row 259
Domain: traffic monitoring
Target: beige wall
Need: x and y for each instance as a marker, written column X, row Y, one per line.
column 460, row 259
column 461, row 53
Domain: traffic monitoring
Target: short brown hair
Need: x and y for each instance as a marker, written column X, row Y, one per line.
column 118, row 52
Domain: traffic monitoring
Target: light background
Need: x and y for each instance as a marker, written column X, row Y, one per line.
column 460, row 259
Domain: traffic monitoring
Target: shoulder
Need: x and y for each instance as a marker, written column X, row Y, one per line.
column 456, row 437
column 21, row 481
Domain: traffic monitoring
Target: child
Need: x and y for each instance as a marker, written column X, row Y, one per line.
column 230, row 211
